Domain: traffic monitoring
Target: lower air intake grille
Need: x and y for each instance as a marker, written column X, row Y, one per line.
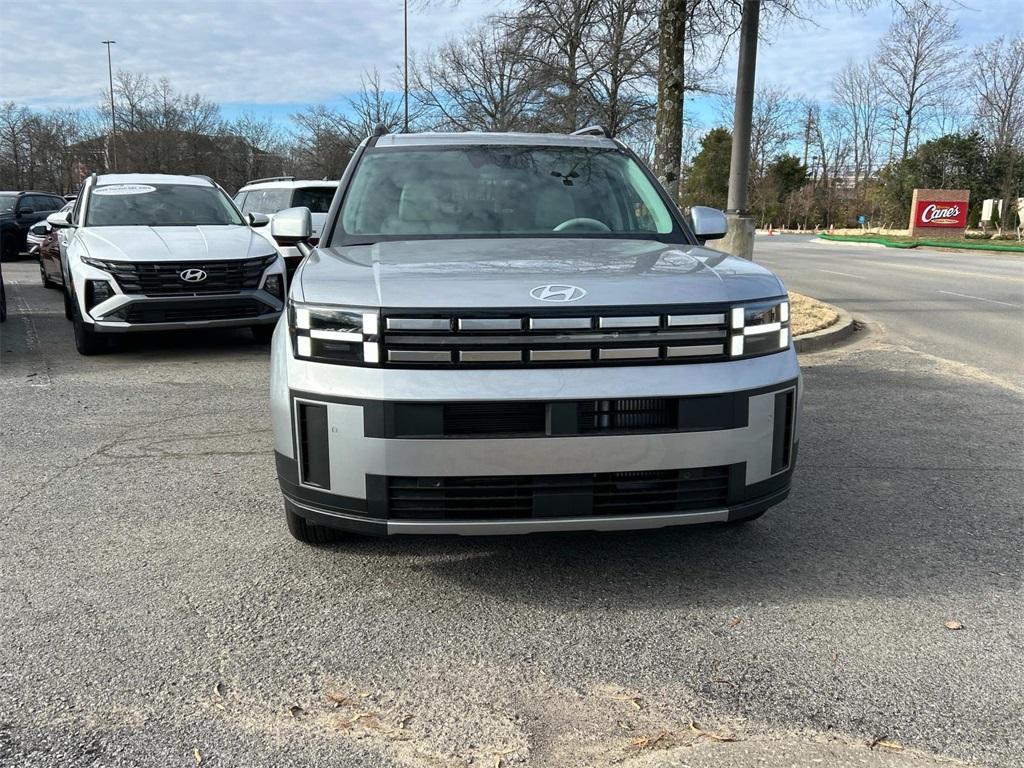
column 632, row 414
column 545, row 496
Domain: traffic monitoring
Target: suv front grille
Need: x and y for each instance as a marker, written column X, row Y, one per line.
column 164, row 278
column 607, row 336
column 152, row 312
column 523, row 497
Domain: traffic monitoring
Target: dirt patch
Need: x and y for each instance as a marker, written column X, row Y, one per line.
column 807, row 314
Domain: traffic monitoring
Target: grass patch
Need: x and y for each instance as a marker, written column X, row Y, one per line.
column 807, row 314
column 903, row 241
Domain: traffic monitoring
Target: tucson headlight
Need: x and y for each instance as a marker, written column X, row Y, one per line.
column 757, row 329
column 327, row 334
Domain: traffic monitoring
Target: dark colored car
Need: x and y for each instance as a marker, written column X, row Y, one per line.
column 18, row 212
column 50, row 270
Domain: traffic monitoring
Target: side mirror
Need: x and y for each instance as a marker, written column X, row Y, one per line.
column 258, row 219
column 59, row 220
column 708, row 223
column 292, row 226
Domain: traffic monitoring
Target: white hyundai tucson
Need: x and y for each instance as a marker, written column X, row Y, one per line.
column 149, row 252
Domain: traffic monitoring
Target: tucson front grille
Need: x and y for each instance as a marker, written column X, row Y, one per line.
column 169, row 278
column 607, row 336
column 146, row 312
column 524, row 497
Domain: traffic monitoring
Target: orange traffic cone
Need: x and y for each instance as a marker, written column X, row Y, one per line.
column 771, row 229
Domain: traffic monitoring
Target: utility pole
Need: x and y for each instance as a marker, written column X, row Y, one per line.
column 739, row 239
column 405, row 68
column 113, row 123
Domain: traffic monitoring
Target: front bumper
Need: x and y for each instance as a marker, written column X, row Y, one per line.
column 390, row 464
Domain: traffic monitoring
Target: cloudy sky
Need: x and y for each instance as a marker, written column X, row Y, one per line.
column 273, row 57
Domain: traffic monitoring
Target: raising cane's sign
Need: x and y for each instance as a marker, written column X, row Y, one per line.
column 941, row 213
column 944, row 210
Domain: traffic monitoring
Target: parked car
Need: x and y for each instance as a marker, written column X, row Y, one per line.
column 148, row 252
column 509, row 333
column 278, row 193
column 50, row 270
column 18, row 212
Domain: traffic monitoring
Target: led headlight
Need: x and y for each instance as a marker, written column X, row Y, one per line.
column 758, row 329
column 326, row 334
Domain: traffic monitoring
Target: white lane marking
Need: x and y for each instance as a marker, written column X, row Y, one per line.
column 844, row 274
column 981, row 298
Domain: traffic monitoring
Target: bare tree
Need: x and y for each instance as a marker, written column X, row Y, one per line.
column 917, row 67
column 856, row 95
column 998, row 86
column 481, row 82
column 375, row 106
column 322, row 142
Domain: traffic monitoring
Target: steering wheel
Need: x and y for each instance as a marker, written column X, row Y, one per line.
column 583, row 224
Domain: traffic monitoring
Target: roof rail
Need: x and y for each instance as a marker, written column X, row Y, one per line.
column 203, row 176
column 593, row 130
column 270, row 178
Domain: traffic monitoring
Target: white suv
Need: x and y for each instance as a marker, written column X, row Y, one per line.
column 148, row 252
column 268, row 196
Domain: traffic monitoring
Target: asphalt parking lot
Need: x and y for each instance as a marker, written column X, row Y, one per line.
column 155, row 611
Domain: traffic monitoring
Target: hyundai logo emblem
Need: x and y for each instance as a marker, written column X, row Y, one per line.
column 558, row 293
column 192, row 275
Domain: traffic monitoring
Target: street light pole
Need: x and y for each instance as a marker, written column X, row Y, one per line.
column 113, row 120
column 405, row 68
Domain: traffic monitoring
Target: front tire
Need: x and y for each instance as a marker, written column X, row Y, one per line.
column 87, row 341
column 306, row 532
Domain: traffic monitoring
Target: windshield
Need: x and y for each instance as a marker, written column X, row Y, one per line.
column 494, row 191
column 7, row 203
column 317, row 199
column 159, row 205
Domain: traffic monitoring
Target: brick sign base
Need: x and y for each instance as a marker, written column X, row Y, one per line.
column 939, row 212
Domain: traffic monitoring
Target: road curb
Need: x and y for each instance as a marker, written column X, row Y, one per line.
column 839, row 331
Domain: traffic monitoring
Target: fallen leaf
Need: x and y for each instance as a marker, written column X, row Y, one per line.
column 295, row 710
column 198, row 754
column 954, row 624
column 218, row 689
column 734, row 621
column 882, row 741
column 698, row 732
column 722, row 681
column 636, row 701
column 835, row 656
column 649, row 742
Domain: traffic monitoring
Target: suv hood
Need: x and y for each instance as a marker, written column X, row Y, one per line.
column 151, row 244
column 502, row 272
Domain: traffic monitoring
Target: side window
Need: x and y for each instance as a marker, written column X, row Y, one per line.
column 26, row 202
column 48, row 204
column 240, row 201
column 267, row 200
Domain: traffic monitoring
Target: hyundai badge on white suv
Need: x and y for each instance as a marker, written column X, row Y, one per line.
column 149, row 252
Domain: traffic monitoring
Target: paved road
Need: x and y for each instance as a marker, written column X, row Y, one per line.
column 964, row 307
column 155, row 612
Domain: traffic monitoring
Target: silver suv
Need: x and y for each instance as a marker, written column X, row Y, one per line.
column 145, row 252
column 509, row 333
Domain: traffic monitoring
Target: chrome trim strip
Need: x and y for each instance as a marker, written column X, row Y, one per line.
column 716, row 319
column 620, row 353
column 650, row 321
column 419, row 356
column 559, row 323
column 696, row 351
column 490, row 324
column 539, row 525
column 419, row 324
column 548, row 355
column 490, row 356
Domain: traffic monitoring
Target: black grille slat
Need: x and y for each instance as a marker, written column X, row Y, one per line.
column 163, row 278
column 517, row 497
column 630, row 413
